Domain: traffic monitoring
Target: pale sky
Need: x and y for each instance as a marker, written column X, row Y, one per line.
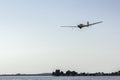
column 32, row 41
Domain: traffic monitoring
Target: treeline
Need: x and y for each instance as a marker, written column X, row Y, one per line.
column 74, row 73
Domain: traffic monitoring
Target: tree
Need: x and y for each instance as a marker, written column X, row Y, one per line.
column 68, row 73
column 74, row 73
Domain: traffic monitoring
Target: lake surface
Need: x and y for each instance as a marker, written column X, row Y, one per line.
column 59, row 78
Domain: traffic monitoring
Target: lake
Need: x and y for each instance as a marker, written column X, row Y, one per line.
column 59, row 78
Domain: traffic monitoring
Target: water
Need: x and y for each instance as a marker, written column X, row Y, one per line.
column 59, row 78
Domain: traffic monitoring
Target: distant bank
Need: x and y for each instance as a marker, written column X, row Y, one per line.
column 42, row 74
column 74, row 73
column 58, row 72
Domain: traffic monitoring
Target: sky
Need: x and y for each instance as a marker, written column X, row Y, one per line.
column 32, row 41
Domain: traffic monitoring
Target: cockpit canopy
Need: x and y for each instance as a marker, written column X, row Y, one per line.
column 80, row 25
